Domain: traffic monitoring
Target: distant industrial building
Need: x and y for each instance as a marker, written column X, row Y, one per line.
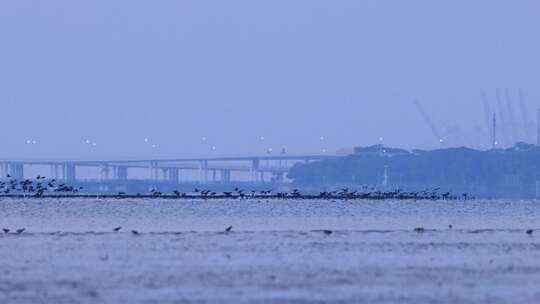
column 511, row 172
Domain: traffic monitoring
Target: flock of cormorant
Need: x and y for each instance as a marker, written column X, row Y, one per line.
column 43, row 187
column 36, row 187
column 40, row 186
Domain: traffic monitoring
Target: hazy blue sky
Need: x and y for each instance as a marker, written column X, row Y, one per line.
column 173, row 72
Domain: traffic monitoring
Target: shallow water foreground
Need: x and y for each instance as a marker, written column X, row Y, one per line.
column 275, row 253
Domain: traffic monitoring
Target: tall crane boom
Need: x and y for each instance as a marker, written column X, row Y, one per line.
column 527, row 130
column 487, row 117
column 428, row 121
column 512, row 123
column 502, row 119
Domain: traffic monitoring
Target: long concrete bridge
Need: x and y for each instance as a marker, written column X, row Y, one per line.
column 203, row 170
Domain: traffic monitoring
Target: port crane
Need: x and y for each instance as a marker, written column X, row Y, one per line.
column 490, row 127
column 429, row 122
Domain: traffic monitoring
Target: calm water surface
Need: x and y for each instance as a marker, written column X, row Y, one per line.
column 177, row 215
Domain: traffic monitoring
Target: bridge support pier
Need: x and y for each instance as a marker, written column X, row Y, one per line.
column 4, row 170
column 278, row 177
column 54, row 171
column 225, row 176
column 69, row 172
column 173, row 175
column 120, row 173
column 203, row 171
column 16, row 170
column 154, row 171
column 104, row 172
column 254, row 170
column 164, row 173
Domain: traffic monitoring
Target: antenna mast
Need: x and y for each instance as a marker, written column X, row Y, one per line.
column 494, row 139
column 538, row 131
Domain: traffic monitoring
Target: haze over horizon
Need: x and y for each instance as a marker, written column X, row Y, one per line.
column 183, row 78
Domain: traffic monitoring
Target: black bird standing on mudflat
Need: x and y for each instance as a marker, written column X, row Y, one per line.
column 419, row 229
